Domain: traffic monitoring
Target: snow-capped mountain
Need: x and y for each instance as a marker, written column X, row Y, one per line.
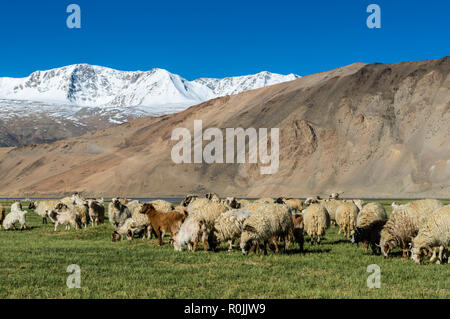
column 95, row 96
column 89, row 85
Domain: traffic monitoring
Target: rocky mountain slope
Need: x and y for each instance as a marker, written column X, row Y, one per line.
column 368, row 130
column 75, row 99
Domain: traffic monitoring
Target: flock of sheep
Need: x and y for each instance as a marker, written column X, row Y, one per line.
column 420, row 228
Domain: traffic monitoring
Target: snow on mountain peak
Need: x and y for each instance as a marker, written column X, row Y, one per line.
column 156, row 91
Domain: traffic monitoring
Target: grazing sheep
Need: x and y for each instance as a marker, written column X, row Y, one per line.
column 346, row 215
column 421, row 210
column 43, row 207
column 161, row 222
column 118, row 213
column 331, row 205
column 370, row 213
column 316, row 221
column 2, row 215
column 369, row 236
column 404, row 223
column 369, row 223
column 191, row 231
column 66, row 218
column 398, row 231
column 228, row 227
column 141, row 219
column 81, row 212
column 267, row 223
column 293, row 203
column 434, row 233
column 96, row 212
column 14, row 217
column 129, row 228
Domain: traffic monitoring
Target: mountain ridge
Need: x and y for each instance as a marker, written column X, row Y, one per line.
column 367, row 130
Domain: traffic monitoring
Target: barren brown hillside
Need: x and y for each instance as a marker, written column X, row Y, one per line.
column 369, row 130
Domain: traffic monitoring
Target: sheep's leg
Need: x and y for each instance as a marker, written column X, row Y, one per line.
column 56, row 226
column 433, row 256
column 318, row 240
column 204, row 241
column 230, row 243
column 441, row 251
column 404, row 255
column 265, row 247
column 189, row 246
column 252, row 249
column 275, row 243
column 195, row 245
column 158, row 234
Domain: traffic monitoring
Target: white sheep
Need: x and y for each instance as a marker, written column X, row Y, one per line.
column 14, row 217
column 346, row 215
column 316, row 220
column 96, row 212
column 228, row 227
column 66, row 218
column 434, row 233
column 43, row 207
column 268, row 222
column 118, row 212
column 129, row 228
column 404, row 223
column 331, row 205
column 191, row 232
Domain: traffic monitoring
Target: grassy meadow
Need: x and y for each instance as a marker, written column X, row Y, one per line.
column 33, row 264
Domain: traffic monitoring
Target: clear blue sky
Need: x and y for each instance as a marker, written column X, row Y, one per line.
column 214, row 38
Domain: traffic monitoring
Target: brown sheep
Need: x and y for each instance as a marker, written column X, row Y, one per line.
column 163, row 222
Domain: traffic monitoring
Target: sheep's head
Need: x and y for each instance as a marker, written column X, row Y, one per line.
column 32, row 205
column 247, row 239
column 177, row 245
column 386, row 247
column 213, row 240
column 356, row 235
column 116, row 202
column 188, row 199
column 417, row 254
column 297, row 220
column 232, row 202
column 147, row 208
column 60, row 207
column 115, row 236
column 213, row 197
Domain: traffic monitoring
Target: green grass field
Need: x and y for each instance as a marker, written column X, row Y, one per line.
column 33, row 264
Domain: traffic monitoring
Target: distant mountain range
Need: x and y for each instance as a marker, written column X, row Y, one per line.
column 365, row 130
column 74, row 99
